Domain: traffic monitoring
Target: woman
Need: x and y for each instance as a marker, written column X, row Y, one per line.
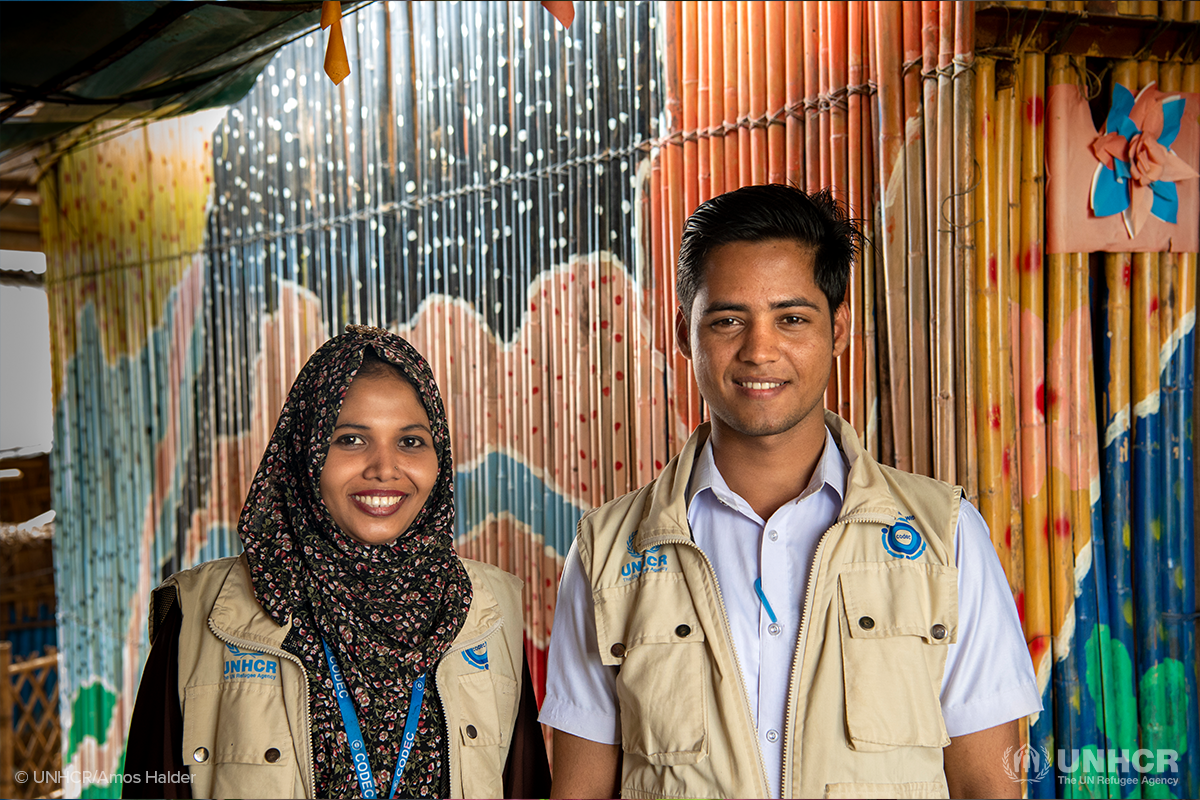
column 348, row 652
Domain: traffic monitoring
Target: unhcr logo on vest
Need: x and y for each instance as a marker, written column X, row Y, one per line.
column 649, row 561
column 241, row 665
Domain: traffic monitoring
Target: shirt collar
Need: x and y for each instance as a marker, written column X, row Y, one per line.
column 831, row 470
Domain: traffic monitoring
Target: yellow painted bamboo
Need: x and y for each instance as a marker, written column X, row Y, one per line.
column 1031, row 409
column 1058, row 402
column 986, row 340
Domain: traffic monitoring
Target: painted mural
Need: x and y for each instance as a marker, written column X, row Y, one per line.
column 509, row 195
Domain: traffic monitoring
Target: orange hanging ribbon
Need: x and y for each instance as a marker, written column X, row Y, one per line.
column 337, row 65
column 562, row 10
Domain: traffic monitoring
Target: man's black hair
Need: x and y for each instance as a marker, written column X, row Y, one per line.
column 761, row 213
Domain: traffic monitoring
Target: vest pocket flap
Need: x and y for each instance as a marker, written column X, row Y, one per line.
column 217, row 727
column 885, row 599
column 654, row 609
column 481, row 695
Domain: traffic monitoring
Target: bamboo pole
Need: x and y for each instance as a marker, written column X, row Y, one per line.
column 776, row 78
column 716, row 95
column 854, row 129
column 825, row 170
column 757, row 65
column 918, row 267
column 1189, row 275
column 836, row 20
column 878, row 367
column 1177, row 304
column 744, row 60
column 7, row 738
column 891, row 144
column 866, row 159
column 732, row 42
column 1035, row 492
column 964, row 243
column 988, row 340
column 812, row 127
column 945, row 459
column 794, row 53
column 689, row 50
column 703, row 102
column 1155, row 705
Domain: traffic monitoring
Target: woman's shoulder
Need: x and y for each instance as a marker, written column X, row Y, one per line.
column 491, row 575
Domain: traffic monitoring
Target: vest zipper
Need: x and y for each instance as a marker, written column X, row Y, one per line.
column 437, row 679
column 312, row 770
column 762, row 767
column 802, row 644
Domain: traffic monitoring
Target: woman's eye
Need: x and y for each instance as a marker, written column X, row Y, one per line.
column 349, row 439
column 412, row 442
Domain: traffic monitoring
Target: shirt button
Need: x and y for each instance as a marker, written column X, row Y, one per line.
column 774, row 629
column 772, row 736
column 773, row 535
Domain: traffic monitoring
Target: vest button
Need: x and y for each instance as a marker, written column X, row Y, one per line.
column 866, row 623
column 938, row 632
column 201, row 755
column 471, row 732
column 271, row 755
column 618, row 650
column 683, row 631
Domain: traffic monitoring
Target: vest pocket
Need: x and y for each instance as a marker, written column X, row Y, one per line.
column 484, row 697
column 237, row 732
column 896, row 621
column 649, row 629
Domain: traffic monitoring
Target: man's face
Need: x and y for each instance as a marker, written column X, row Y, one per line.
column 761, row 340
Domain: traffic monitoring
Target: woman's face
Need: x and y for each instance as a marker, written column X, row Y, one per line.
column 381, row 465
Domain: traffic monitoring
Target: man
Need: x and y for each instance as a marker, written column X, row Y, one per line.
column 776, row 614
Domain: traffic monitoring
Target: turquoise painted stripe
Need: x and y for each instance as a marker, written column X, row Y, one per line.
column 500, row 484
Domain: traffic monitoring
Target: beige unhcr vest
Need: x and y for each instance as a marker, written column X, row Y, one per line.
column 863, row 716
column 246, row 726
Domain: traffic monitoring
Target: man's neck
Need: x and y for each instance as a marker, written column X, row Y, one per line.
column 767, row 471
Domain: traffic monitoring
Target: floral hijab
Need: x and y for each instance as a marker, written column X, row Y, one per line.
column 388, row 612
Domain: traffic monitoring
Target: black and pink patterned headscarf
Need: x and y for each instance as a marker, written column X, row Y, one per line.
column 388, row 612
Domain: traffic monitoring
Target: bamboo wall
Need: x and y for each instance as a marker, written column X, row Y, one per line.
column 510, row 196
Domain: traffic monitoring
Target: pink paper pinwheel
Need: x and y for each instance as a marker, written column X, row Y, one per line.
column 1137, row 172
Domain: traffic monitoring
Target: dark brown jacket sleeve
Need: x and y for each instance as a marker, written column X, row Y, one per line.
column 527, row 773
column 154, row 765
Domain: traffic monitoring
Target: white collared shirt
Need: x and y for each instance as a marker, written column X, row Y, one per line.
column 988, row 680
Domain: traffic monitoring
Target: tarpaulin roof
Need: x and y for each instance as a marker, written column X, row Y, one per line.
column 64, row 66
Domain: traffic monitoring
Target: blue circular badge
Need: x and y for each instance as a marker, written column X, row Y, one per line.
column 903, row 541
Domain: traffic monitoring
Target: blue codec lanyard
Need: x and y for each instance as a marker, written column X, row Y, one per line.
column 358, row 751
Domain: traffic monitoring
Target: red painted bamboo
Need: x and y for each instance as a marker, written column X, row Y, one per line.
column 690, row 56
column 776, row 28
column 812, row 128
column 794, row 46
column 703, row 102
column 716, row 94
column 838, row 171
column 732, row 154
column 854, row 128
column 744, row 58
column 756, row 17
